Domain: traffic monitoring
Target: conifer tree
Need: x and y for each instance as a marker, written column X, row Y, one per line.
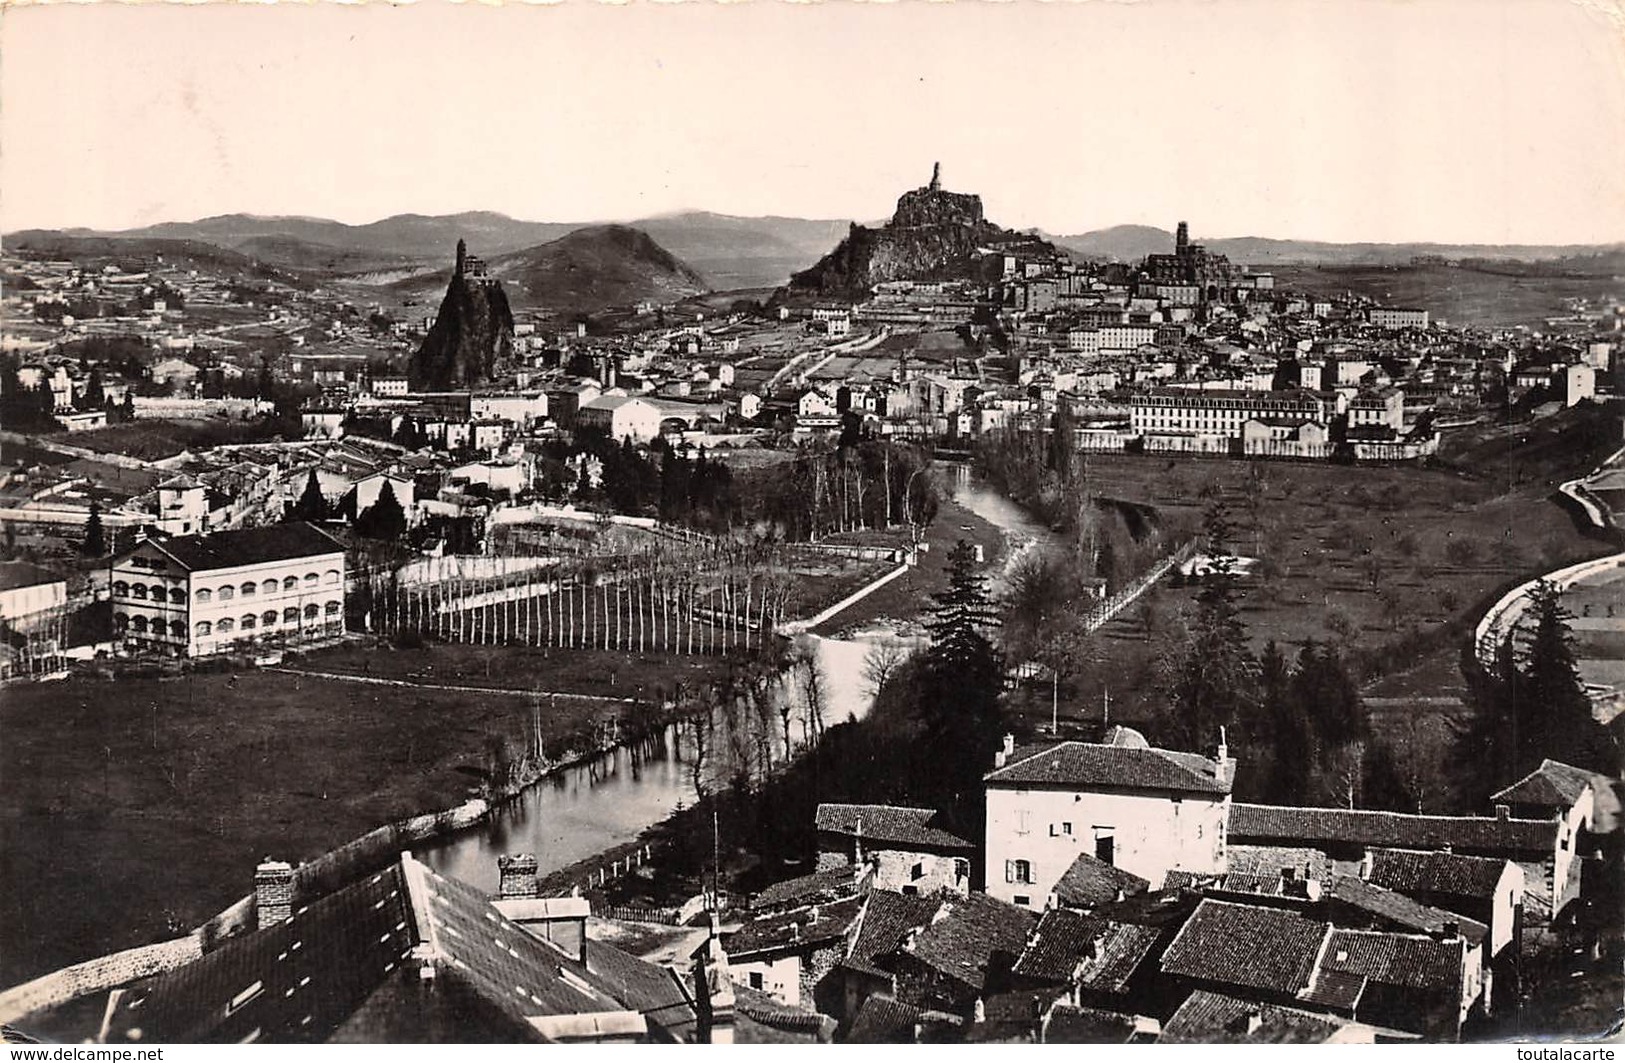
column 384, row 519
column 95, row 544
column 312, row 504
column 1554, row 708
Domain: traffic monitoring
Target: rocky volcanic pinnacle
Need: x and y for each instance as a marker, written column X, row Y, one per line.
column 472, row 337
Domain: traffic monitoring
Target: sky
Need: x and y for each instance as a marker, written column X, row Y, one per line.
column 1459, row 121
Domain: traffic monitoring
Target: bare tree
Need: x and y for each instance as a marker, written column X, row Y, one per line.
column 885, row 656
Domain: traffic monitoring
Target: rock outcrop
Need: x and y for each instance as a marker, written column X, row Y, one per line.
column 471, row 340
column 933, row 235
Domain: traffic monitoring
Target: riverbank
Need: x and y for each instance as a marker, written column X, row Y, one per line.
column 134, row 810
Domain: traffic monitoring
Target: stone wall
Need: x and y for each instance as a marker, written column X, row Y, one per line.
column 96, row 975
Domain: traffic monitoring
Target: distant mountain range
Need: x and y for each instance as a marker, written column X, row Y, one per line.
column 1130, row 243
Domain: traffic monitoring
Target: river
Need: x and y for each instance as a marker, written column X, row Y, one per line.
column 612, row 799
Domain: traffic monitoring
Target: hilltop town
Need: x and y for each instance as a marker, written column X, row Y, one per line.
column 506, row 532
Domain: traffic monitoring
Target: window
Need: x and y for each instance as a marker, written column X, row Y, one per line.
column 269, row 586
column 756, row 979
column 1018, row 871
column 121, row 589
column 311, row 579
column 917, row 872
column 1105, row 844
column 177, row 596
column 331, row 576
column 248, row 589
column 158, row 592
column 247, row 623
column 204, row 595
column 203, row 629
column 140, row 591
column 290, row 615
column 120, row 621
column 225, row 594
column 312, row 611
column 139, row 625
column 291, row 583
column 1024, row 821
column 268, row 618
column 1021, row 900
column 332, row 608
column 226, row 626
column 245, row 997
column 177, row 629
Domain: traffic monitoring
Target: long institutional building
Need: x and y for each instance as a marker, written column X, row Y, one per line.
column 195, row 595
column 1221, row 412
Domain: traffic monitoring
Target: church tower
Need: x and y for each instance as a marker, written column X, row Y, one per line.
column 462, row 254
column 936, row 177
column 1182, row 238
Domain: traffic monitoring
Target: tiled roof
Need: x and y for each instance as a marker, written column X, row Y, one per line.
column 1058, row 944
column 888, row 824
column 1450, row 874
column 1089, row 881
column 1215, row 1018
column 795, row 931
column 885, row 1020
column 657, row 992
column 1068, row 1025
column 829, row 885
column 886, row 919
column 762, row 1019
column 1272, row 860
column 1261, row 823
column 1403, row 911
column 1085, row 765
column 1552, row 785
column 1123, row 948
column 1406, row 960
column 1244, row 945
column 248, row 546
column 965, row 934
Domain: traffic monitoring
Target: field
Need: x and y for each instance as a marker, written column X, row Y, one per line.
column 1450, row 294
column 136, row 808
column 1391, row 565
column 153, row 440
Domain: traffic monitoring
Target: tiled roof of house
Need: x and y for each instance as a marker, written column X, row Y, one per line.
column 1446, row 873
column 1273, row 860
column 1269, row 823
column 1403, row 911
column 1122, row 951
column 14, row 574
column 886, row 919
column 1410, row 961
column 1115, row 767
column 248, row 546
column 1240, row 944
column 1216, row 1018
column 882, row 1019
column 1089, row 881
column 346, row 966
column 888, row 824
column 763, row 1020
column 1068, row 1025
column 1552, row 785
column 965, row 933
column 799, row 930
column 1058, row 944
column 834, row 884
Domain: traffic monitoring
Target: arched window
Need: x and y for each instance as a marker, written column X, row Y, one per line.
column 158, row 592
column 121, row 589
column 226, row 593
column 204, row 595
column 248, row 622
column 226, row 626
column 177, row 595
column 330, row 577
column 269, row 586
column 311, row 579
column 291, row 583
column 268, row 618
column 203, row 629
column 290, row 615
column 312, row 611
column 177, row 629
column 140, row 591
column 332, row 608
column 138, row 624
column 247, row 590
column 120, row 621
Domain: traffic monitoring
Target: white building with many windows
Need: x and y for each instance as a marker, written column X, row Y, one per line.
column 196, row 595
column 1147, row 811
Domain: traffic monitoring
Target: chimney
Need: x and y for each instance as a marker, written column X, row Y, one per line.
column 1452, row 930
column 980, row 1014
column 1003, row 756
column 516, row 876
column 1503, row 812
column 1366, row 860
column 1255, row 1019
column 273, row 891
column 857, row 839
